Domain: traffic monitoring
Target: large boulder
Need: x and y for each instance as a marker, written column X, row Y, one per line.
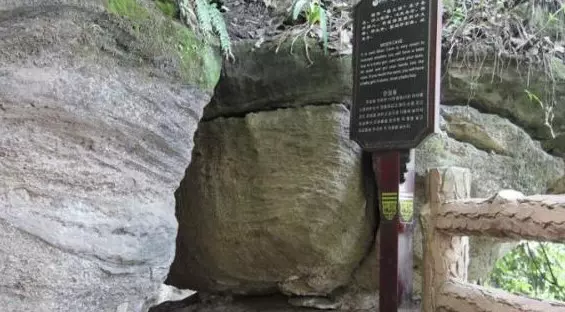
column 97, row 116
column 272, row 202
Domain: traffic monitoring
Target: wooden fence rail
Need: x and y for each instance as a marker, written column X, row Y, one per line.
column 450, row 215
column 508, row 215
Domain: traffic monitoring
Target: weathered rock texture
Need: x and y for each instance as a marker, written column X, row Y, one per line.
column 95, row 132
column 500, row 154
column 272, row 202
column 275, row 303
column 502, row 91
column 170, row 294
column 556, row 146
column 557, row 186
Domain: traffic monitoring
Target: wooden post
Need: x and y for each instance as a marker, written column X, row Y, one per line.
column 445, row 257
column 386, row 166
column 395, row 207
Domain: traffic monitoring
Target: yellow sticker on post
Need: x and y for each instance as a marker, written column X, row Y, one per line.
column 406, row 209
column 389, row 205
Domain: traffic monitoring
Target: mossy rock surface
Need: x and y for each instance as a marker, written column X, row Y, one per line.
column 161, row 36
column 141, row 33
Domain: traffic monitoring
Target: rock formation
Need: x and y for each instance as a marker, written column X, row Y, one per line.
column 503, row 92
column 271, row 121
column 97, row 116
column 99, row 103
column 273, row 201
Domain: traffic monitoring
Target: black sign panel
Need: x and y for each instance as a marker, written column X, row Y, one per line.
column 396, row 68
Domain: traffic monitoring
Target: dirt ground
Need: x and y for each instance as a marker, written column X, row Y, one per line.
column 250, row 19
column 273, row 303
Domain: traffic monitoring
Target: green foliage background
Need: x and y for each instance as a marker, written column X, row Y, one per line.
column 532, row 269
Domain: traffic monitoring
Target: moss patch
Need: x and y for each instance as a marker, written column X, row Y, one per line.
column 128, row 8
column 558, row 69
column 189, row 46
column 162, row 37
column 168, row 7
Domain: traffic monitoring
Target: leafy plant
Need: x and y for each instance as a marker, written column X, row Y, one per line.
column 491, row 36
column 313, row 18
column 208, row 16
column 315, row 14
column 554, row 16
column 532, row 269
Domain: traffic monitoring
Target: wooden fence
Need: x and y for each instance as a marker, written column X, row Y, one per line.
column 449, row 214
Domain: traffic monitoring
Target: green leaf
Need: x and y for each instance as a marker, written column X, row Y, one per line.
column 532, row 269
column 314, row 13
column 203, row 9
column 217, row 21
column 534, row 98
column 324, row 26
column 298, row 6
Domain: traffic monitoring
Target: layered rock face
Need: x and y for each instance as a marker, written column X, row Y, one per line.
column 500, row 154
column 273, row 201
column 96, row 128
column 502, row 91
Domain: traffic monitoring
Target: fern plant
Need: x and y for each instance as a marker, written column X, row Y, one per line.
column 315, row 14
column 209, row 19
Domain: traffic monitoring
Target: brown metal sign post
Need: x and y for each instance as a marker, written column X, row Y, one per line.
column 396, row 59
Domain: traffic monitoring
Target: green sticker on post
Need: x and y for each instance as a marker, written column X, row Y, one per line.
column 389, row 205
